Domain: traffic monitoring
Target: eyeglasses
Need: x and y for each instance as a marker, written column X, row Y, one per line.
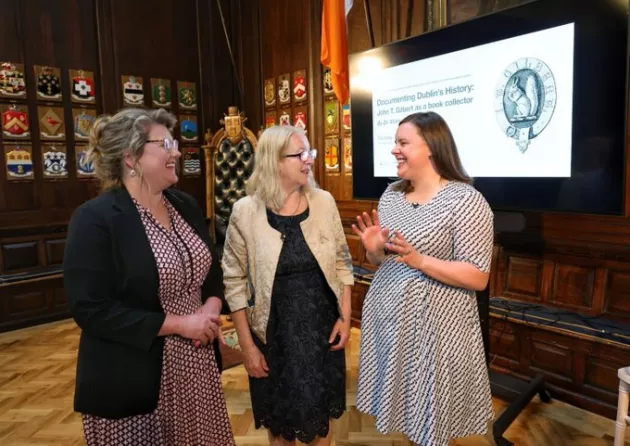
column 168, row 144
column 303, row 155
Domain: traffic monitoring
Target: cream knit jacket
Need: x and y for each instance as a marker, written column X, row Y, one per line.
column 252, row 249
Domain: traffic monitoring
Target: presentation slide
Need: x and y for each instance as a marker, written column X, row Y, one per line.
column 508, row 103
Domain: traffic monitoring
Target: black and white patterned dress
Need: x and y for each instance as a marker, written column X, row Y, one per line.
column 422, row 368
column 191, row 408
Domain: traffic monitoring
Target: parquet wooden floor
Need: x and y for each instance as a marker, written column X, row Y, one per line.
column 37, row 367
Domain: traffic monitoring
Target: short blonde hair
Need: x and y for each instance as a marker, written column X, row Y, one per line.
column 112, row 137
column 264, row 182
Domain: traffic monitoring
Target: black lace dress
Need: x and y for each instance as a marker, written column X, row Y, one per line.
column 306, row 383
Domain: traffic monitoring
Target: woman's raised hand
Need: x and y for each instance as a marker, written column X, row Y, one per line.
column 370, row 232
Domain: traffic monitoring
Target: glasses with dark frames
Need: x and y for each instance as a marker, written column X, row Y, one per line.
column 303, row 155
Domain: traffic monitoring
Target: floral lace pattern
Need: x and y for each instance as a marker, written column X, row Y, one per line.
column 306, row 383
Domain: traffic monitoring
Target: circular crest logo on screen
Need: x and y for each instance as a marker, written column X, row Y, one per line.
column 525, row 99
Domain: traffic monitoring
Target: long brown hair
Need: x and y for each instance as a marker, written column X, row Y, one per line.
column 436, row 133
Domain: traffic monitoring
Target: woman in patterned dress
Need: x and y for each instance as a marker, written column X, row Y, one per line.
column 288, row 272
column 422, row 367
column 145, row 287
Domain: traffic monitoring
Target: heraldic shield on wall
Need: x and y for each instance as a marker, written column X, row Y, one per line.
column 188, row 128
column 331, row 154
column 299, row 86
column 525, row 100
column 15, row 121
column 270, row 93
column 187, row 95
column 327, row 81
column 331, row 116
column 271, row 118
column 347, row 154
column 85, row 166
column 82, row 86
column 345, row 117
column 51, row 123
column 54, row 162
column 161, row 92
column 48, row 83
column 12, row 81
column 19, row 162
column 133, row 92
column 299, row 118
column 191, row 161
column 285, row 117
column 83, row 120
column 284, row 89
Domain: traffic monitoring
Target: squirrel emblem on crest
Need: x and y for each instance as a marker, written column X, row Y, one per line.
column 525, row 102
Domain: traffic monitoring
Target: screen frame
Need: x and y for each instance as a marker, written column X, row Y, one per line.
column 368, row 187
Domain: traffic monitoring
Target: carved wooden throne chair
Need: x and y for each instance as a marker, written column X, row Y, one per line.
column 229, row 157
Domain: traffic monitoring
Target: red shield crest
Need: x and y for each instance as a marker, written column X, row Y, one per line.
column 345, row 119
column 299, row 120
column 299, row 87
column 285, row 119
column 15, row 122
column 82, row 88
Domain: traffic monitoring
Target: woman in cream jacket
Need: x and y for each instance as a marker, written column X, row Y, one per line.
column 287, row 274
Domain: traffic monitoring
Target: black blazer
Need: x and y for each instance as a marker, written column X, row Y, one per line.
column 111, row 281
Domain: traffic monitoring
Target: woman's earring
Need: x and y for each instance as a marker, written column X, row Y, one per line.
column 133, row 172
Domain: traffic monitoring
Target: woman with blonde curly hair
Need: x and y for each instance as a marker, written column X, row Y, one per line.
column 145, row 287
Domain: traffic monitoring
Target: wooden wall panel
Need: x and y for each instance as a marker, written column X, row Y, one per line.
column 31, row 302
column 348, row 210
column 461, row 10
column 599, row 372
column 10, row 28
column 222, row 87
column 19, row 256
column 573, row 287
column 617, row 294
column 581, row 371
column 54, row 251
column 358, row 294
column 391, row 21
column 247, row 18
column 504, row 343
column 523, row 278
column 551, row 358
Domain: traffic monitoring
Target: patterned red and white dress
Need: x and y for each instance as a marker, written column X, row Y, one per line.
column 191, row 409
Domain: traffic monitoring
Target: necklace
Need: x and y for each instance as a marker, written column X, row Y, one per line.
column 295, row 210
column 298, row 205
